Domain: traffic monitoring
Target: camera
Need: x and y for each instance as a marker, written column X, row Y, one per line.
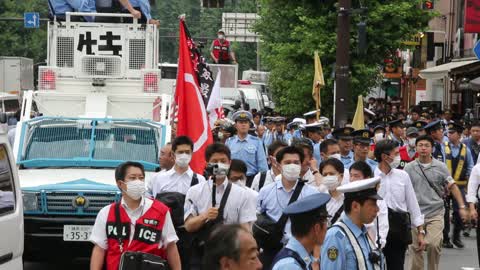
column 375, row 256
column 216, row 170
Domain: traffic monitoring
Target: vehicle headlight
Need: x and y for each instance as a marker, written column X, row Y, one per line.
column 30, row 201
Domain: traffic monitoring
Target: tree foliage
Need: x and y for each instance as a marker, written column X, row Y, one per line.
column 293, row 30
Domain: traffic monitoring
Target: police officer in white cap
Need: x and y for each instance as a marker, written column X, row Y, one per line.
column 309, row 218
column 247, row 147
column 347, row 244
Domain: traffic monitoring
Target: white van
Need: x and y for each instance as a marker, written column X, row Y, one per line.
column 11, row 208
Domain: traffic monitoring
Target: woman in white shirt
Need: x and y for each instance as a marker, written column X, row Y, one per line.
column 332, row 172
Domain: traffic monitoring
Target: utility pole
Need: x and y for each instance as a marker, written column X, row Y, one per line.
column 342, row 70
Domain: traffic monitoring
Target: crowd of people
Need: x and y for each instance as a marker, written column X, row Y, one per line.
column 299, row 194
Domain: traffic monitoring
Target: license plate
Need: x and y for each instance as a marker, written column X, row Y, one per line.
column 76, row 232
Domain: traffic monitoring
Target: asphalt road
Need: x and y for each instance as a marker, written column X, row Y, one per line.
column 451, row 259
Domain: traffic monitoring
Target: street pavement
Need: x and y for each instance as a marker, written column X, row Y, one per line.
column 451, row 259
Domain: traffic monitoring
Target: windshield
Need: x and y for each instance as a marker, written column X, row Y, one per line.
column 60, row 142
column 253, row 104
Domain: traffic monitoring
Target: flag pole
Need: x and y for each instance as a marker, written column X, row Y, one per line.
column 317, row 102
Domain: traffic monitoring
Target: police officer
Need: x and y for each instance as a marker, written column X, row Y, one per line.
column 345, row 142
column 311, row 117
column 420, row 125
column 361, row 147
column 279, row 133
column 435, row 131
column 314, row 135
column 460, row 163
column 309, row 218
column 347, row 244
column 247, row 147
column 140, row 214
column 396, row 131
column 220, row 51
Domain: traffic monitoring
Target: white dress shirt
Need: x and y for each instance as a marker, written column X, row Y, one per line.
column 238, row 208
column 334, row 205
column 397, row 191
column 99, row 232
column 171, row 181
column 382, row 217
column 269, row 178
column 473, row 184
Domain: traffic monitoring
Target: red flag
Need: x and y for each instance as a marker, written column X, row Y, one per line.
column 191, row 112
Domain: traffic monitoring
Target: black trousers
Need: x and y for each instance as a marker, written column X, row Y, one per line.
column 456, row 219
column 446, row 219
column 395, row 255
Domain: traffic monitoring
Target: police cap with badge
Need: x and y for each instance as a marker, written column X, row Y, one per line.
column 419, row 124
column 311, row 114
column 432, row 126
column 362, row 136
column 455, row 127
column 242, row 116
column 379, row 127
column 344, row 133
column 396, row 123
column 313, row 127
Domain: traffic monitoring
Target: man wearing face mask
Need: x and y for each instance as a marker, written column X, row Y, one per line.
column 181, row 177
column 137, row 214
column 237, row 174
column 220, row 51
column 332, row 172
column 347, row 245
column 329, row 149
column 345, row 142
column 274, row 197
column 397, row 191
column 247, row 147
column 216, row 201
column 264, row 178
column 309, row 219
column 408, row 152
column 361, row 147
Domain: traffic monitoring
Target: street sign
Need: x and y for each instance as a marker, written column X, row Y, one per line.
column 476, row 49
column 31, row 20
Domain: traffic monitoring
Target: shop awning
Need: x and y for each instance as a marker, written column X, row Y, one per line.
column 441, row 71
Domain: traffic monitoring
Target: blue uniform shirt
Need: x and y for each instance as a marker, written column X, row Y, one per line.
column 267, row 138
column 250, row 150
column 469, row 159
column 144, row 6
column 290, row 263
column 372, row 163
column 337, row 252
column 347, row 160
column 273, row 198
column 316, row 153
column 60, row 7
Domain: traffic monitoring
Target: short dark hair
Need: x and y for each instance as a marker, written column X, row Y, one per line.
column 335, row 163
column 424, row 138
column 290, row 150
column 274, row 147
column 238, row 165
column 301, row 224
column 347, row 203
column 363, row 167
column 384, row 147
column 303, row 144
column 475, row 124
column 325, row 144
column 217, row 148
column 121, row 170
column 181, row 140
column 223, row 242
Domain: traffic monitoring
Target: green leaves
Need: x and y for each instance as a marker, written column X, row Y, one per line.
column 293, row 30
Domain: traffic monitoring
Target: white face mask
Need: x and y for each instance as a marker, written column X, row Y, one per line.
column 182, row 160
column 379, row 136
column 411, row 142
column 220, row 135
column 395, row 163
column 221, row 36
column 135, row 189
column 337, row 156
column 331, row 181
column 291, row 172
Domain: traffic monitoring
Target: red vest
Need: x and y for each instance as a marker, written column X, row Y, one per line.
column 223, row 48
column 146, row 238
column 404, row 157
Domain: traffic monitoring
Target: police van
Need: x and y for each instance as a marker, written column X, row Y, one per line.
column 11, row 207
column 100, row 104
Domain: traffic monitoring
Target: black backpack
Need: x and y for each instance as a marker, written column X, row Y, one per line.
column 175, row 201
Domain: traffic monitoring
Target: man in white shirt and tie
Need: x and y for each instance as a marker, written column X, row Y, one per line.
column 403, row 210
column 179, row 178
